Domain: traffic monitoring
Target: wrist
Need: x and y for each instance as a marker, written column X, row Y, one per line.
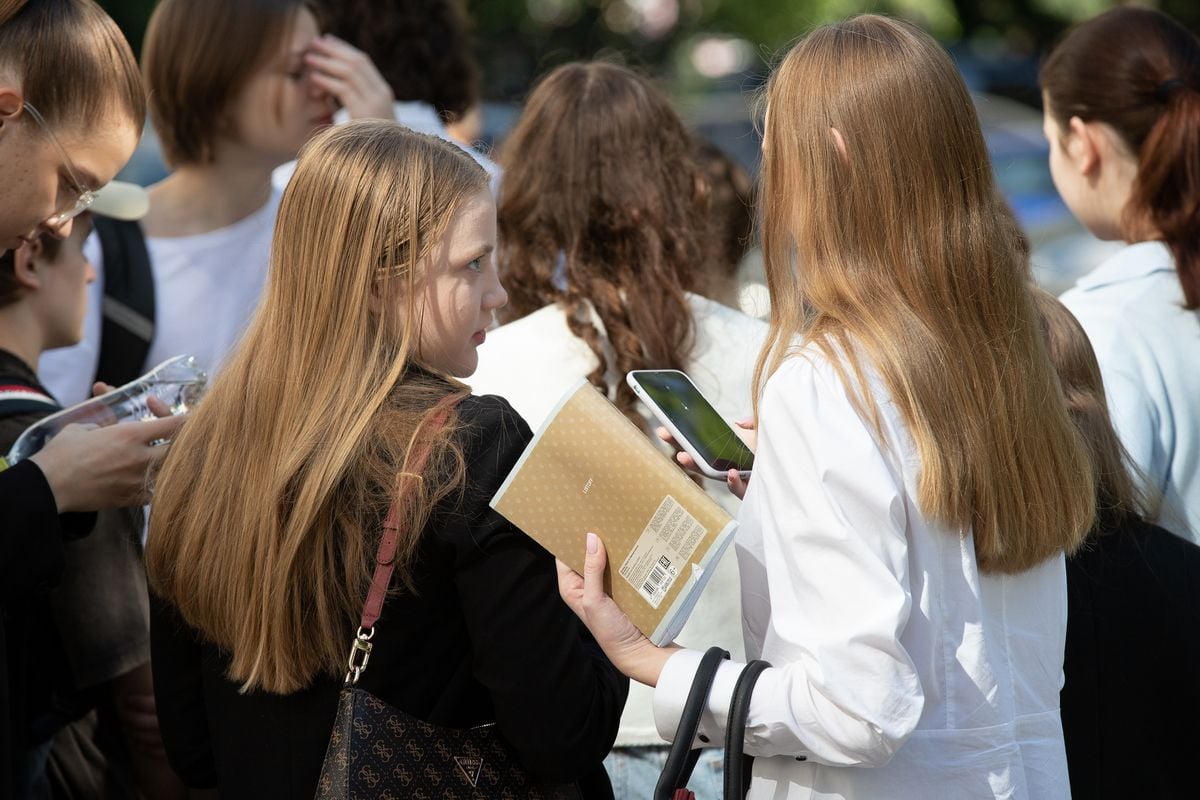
column 60, row 489
column 645, row 663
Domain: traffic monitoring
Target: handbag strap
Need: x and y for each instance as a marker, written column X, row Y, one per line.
column 385, row 556
column 681, row 759
column 737, row 772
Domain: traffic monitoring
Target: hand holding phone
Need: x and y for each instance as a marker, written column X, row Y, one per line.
column 692, row 421
column 736, row 481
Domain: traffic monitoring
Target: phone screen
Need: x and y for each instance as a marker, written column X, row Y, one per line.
column 705, row 429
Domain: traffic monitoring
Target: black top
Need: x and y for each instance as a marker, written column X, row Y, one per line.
column 485, row 637
column 31, row 562
column 1132, row 697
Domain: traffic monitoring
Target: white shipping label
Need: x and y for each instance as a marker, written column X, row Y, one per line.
column 662, row 550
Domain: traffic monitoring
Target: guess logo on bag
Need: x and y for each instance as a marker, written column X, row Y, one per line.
column 470, row 766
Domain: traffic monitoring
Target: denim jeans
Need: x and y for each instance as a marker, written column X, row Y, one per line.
column 634, row 772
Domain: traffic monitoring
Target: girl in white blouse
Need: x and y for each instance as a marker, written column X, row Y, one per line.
column 1122, row 115
column 917, row 478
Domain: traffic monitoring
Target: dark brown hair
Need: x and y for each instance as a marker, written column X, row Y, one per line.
column 72, row 62
column 600, row 177
column 10, row 290
column 197, row 57
column 1118, row 498
column 1138, row 71
column 731, row 216
column 421, row 47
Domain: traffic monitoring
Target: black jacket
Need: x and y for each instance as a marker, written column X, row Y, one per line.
column 485, row 637
column 1132, row 694
column 31, row 561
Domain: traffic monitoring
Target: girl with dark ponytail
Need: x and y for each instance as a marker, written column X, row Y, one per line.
column 1122, row 113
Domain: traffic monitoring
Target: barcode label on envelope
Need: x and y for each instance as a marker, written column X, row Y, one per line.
column 665, row 546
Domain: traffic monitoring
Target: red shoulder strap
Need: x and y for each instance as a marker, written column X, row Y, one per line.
column 385, row 557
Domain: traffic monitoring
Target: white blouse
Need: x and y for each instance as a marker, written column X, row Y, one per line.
column 1148, row 346
column 899, row 670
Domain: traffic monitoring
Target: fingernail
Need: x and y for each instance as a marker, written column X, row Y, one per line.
column 744, row 421
column 593, row 544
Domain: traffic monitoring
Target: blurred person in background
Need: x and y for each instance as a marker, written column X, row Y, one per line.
column 605, row 241
column 71, row 110
column 731, row 211
column 1122, row 115
column 236, row 87
column 423, row 50
column 1133, row 611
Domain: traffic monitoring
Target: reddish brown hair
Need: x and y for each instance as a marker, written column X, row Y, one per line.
column 1138, row 71
column 600, row 173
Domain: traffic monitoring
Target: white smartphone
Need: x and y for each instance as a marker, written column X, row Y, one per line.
column 697, row 427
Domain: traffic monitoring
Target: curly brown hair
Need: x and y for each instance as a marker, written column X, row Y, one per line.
column 601, row 184
column 422, row 48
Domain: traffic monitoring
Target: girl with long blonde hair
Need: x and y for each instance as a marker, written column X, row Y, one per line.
column 268, row 513
column 917, row 479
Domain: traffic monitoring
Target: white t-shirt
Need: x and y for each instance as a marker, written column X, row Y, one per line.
column 206, row 287
column 532, row 361
column 421, row 118
column 1148, row 346
column 899, row 670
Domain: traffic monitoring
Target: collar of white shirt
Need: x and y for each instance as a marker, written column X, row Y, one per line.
column 1129, row 264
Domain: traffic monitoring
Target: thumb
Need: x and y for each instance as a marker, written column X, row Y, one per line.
column 593, row 571
column 746, row 423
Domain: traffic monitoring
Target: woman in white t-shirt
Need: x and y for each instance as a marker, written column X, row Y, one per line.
column 917, row 477
column 236, row 89
column 604, row 240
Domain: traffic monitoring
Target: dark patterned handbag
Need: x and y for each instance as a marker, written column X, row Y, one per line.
column 378, row 751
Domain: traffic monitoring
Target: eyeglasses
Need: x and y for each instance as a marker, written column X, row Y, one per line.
column 86, row 196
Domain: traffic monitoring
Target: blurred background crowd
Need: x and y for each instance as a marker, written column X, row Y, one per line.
column 711, row 56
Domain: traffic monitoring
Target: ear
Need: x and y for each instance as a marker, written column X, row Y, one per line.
column 26, row 259
column 11, row 102
column 1083, row 145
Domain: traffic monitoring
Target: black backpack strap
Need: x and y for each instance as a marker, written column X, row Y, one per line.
column 128, row 324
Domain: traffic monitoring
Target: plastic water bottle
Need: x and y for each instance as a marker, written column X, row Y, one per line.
column 178, row 382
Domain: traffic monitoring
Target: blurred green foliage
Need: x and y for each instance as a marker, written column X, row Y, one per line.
column 516, row 40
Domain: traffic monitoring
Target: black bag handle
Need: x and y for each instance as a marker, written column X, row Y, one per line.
column 737, row 763
column 681, row 760
column 127, row 327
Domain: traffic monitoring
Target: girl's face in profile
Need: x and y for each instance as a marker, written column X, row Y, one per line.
column 62, row 280
column 462, row 289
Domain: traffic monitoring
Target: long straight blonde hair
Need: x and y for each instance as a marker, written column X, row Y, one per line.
column 266, row 514
column 891, row 250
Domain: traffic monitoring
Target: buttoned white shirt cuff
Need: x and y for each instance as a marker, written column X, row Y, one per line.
column 675, row 683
